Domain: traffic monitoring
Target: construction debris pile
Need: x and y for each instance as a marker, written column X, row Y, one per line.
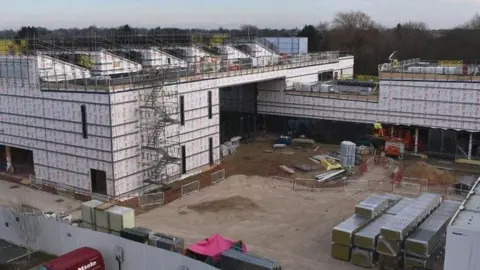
column 229, row 148
column 362, row 154
column 394, row 232
column 433, row 175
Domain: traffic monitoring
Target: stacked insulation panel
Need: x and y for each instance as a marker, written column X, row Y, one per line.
column 364, row 253
column 426, row 243
column 365, row 212
column 392, row 236
column 233, row 259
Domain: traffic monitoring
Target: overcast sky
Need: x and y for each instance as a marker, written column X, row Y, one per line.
column 227, row 13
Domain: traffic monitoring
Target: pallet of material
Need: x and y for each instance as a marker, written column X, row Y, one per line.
column 363, row 258
column 343, row 233
column 407, row 219
column 233, row 259
column 341, row 252
column 390, row 262
column 366, row 238
column 389, row 247
column 372, row 206
column 427, row 236
column 398, row 207
column 413, row 263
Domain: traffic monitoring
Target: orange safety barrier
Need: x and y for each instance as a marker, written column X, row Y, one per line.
column 381, row 160
column 363, row 168
column 397, row 175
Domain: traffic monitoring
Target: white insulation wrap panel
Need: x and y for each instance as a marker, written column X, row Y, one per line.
column 441, row 104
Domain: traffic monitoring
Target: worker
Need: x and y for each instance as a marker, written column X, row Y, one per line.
column 378, row 130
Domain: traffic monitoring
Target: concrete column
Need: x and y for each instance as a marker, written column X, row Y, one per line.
column 392, row 131
column 415, row 150
column 8, row 157
column 470, row 142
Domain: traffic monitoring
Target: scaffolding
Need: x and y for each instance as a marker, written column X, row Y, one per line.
column 160, row 132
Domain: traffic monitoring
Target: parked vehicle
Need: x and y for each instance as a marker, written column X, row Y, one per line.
column 84, row 258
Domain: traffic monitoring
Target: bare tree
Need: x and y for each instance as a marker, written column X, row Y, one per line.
column 353, row 20
column 413, row 25
column 323, row 27
column 24, row 218
column 473, row 23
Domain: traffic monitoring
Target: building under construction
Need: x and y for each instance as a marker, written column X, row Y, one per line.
column 117, row 117
column 433, row 106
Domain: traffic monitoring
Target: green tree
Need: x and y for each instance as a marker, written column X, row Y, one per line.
column 314, row 37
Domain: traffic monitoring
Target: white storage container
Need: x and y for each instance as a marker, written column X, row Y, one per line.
column 120, row 217
column 101, row 217
column 88, row 212
column 310, row 87
column 347, row 153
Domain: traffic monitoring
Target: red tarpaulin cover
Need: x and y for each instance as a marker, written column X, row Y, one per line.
column 213, row 246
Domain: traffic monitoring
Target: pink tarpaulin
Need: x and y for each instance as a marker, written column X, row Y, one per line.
column 213, row 246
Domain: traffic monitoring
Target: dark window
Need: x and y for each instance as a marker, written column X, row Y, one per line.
column 169, row 61
column 325, row 76
column 83, row 109
column 210, row 150
column 98, row 181
column 209, row 104
column 182, row 110
column 184, row 160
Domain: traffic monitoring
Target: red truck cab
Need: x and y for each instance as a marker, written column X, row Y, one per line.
column 84, row 258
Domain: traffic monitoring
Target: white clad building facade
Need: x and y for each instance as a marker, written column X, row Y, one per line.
column 86, row 133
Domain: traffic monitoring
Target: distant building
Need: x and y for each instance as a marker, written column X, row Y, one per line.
column 290, row 45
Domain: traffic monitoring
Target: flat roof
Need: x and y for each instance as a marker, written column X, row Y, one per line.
column 468, row 214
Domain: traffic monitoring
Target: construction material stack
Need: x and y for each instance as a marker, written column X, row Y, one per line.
column 390, row 243
column 362, row 154
column 88, row 214
column 106, row 217
column 404, row 233
column 234, row 259
column 347, row 153
column 365, row 211
column 364, row 253
column 427, row 242
column 167, row 242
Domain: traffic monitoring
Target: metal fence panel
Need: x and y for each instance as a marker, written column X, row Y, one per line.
column 370, row 163
column 304, row 184
column 278, row 181
column 406, row 188
column 218, row 176
column 356, row 185
column 64, row 190
column 35, row 182
column 190, row 188
column 156, row 198
column 381, row 186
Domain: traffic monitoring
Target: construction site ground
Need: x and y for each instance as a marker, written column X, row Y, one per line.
column 292, row 227
column 251, row 204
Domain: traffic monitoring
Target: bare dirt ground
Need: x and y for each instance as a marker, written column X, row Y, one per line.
column 292, row 227
column 252, row 159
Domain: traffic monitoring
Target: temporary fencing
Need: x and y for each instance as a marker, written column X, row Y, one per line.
column 218, row 176
column 356, row 185
column 190, row 188
column 65, row 190
column 148, row 199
